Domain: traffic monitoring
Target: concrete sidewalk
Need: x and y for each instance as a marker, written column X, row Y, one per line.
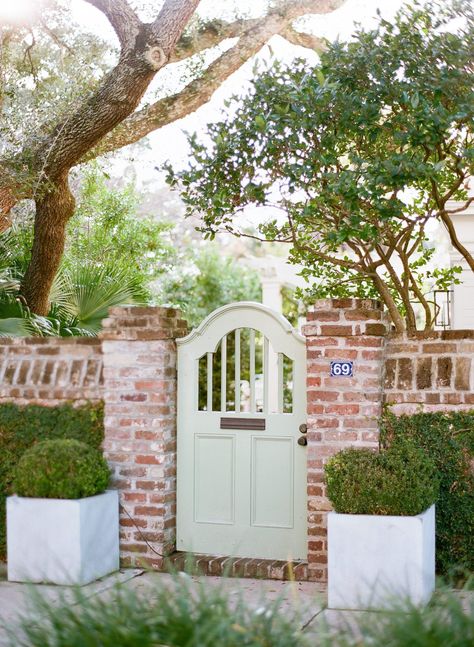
column 306, row 600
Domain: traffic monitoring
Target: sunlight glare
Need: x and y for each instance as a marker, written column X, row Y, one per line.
column 18, row 12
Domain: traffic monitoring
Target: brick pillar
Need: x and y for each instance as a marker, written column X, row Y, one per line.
column 342, row 411
column 139, row 352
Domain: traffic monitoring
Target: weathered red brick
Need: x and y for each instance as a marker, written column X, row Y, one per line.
column 337, row 330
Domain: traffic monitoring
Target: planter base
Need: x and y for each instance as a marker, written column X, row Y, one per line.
column 374, row 560
column 61, row 541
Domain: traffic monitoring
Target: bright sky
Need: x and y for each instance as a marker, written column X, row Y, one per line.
column 170, row 142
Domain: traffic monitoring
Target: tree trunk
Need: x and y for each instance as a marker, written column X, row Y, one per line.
column 7, row 201
column 53, row 211
column 395, row 315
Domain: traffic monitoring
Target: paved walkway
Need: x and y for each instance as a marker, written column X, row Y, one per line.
column 307, row 599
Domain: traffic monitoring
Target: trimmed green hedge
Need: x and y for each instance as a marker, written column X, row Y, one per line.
column 448, row 439
column 63, row 468
column 23, row 426
column 400, row 480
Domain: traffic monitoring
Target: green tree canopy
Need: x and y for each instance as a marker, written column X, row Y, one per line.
column 206, row 281
column 355, row 155
column 67, row 96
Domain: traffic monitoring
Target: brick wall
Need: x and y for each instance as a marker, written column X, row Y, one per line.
column 139, row 353
column 342, row 411
column 430, row 371
column 49, row 371
column 133, row 369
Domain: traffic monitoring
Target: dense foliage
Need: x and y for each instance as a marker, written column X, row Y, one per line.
column 398, row 481
column 207, row 281
column 112, row 255
column 61, row 469
column 23, row 426
column 352, row 158
column 447, row 438
column 116, row 256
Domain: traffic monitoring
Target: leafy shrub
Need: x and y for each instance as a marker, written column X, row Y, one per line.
column 22, row 426
column 448, row 439
column 398, row 481
column 61, row 469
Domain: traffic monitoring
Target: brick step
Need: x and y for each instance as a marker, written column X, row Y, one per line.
column 269, row 569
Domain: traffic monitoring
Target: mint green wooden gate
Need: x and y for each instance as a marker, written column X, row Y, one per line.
column 241, row 479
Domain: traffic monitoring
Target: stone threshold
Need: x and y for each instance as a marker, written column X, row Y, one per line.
column 268, row 569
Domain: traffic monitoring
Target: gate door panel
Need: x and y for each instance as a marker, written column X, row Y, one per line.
column 241, row 481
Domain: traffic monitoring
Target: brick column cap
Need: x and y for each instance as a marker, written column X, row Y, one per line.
column 346, row 318
column 346, row 304
column 128, row 323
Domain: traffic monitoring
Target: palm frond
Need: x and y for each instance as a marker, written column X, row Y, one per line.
column 8, row 282
column 85, row 294
column 15, row 327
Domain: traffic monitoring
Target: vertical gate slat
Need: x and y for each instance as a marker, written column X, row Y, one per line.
column 265, row 374
column 237, row 370
column 280, row 383
column 224, row 373
column 209, row 381
column 253, row 408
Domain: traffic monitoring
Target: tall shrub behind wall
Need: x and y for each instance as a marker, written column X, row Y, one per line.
column 448, row 438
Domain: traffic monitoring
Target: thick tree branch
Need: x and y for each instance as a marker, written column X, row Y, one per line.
column 387, row 298
column 302, row 39
column 199, row 91
column 123, row 19
column 456, row 243
column 52, row 214
column 171, row 21
column 52, row 158
column 118, row 95
column 209, row 35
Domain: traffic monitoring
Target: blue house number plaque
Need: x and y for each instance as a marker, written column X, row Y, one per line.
column 342, row 369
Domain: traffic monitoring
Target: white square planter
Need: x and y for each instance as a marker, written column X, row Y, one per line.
column 62, row 541
column 373, row 560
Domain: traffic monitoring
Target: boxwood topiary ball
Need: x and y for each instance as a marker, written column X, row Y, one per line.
column 61, row 469
column 401, row 480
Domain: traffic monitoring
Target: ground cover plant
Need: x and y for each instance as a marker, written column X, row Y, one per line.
column 21, row 427
column 447, row 438
column 185, row 613
column 447, row 621
column 176, row 615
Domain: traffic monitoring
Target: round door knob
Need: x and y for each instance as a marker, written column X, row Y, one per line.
column 303, row 441
column 303, row 428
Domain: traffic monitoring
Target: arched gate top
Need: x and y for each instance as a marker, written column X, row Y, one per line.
column 229, row 317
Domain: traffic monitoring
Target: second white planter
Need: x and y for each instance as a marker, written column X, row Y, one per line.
column 374, row 560
column 62, row 541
